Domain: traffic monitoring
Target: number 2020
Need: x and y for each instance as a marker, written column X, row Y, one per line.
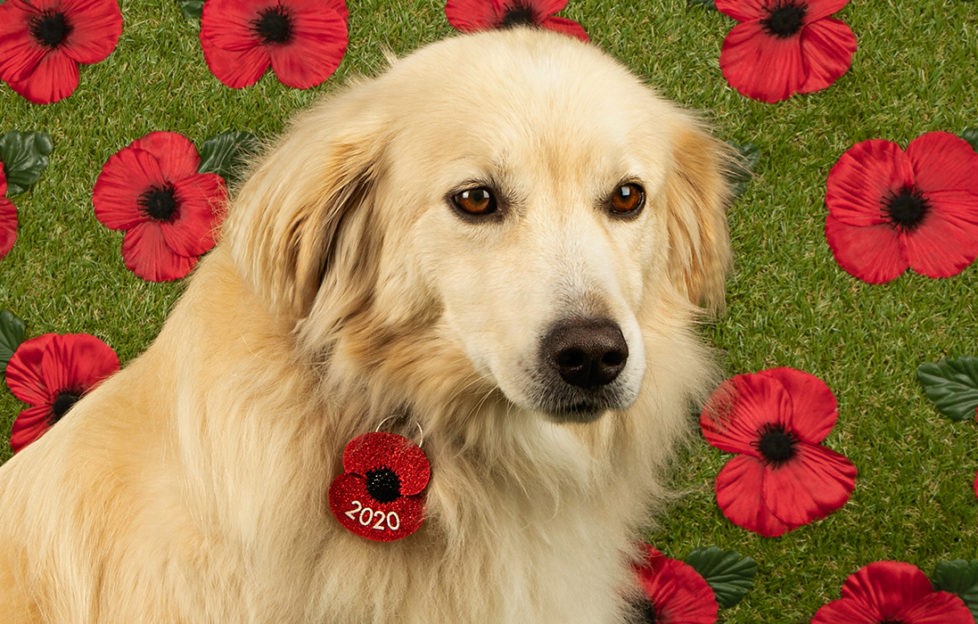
column 374, row 518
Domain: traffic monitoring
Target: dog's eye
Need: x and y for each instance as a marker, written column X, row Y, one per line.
column 628, row 199
column 477, row 202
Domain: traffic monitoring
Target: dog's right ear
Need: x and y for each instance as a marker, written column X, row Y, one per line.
column 307, row 192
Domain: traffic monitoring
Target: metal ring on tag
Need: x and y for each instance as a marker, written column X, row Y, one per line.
column 420, row 430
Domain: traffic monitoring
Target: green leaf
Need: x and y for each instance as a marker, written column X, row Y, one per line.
column 958, row 577
column 191, row 8
column 706, row 4
column 971, row 136
column 24, row 156
column 729, row 574
column 750, row 155
column 952, row 385
column 226, row 154
column 11, row 335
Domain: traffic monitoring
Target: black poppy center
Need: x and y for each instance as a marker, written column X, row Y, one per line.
column 646, row 613
column 776, row 445
column 518, row 15
column 907, row 208
column 383, row 485
column 159, row 203
column 273, row 25
column 784, row 19
column 62, row 403
column 49, row 28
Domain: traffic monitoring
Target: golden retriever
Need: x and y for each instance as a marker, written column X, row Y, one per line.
column 503, row 245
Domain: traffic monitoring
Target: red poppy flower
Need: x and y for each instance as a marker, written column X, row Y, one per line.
column 8, row 218
column 42, row 43
column 379, row 497
column 303, row 40
column 474, row 15
column 782, row 477
column 51, row 372
column 783, row 47
column 893, row 591
column 675, row 593
column 151, row 189
column 890, row 210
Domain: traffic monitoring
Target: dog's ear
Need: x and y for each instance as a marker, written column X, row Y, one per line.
column 302, row 197
column 697, row 193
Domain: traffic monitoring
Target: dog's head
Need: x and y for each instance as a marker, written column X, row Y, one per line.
column 515, row 203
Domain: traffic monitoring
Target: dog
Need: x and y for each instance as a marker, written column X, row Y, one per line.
column 500, row 248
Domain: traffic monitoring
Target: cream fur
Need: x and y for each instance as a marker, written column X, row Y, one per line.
column 191, row 486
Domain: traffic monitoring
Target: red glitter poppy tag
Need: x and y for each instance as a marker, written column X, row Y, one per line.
column 380, row 496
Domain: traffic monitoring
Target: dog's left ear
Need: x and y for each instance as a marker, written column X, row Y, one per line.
column 698, row 193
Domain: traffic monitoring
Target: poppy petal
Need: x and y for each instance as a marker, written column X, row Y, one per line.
column 96, row 26
column 866, row 174
column 814, row 409
column 237, row 69
column 939, row 607
column 943, row 162
column 175, row 154
column 743, row 10
column 199, row 198
column 545, row 7
column 884, row 587
column 844, row 612
column 359, row 513
column 738, row 487
column 677, row 592
column 318, row 45
column 229, row 24
column 380, row 449
column 827, row 46
column 738, row 410
column 761, row 66
column 8, row 225
column 30, row 425
column 54, row 78
column 146, row 254
column 872, row 253
column 473, row 15
column 76, row 363
column 19, row 52
column 23, row 371
column 816, row 10
column 892, row 591
column 318, row 6
column 338, row 7
column 125, row 177
column 566, row 27
column 814, row 483
column 946, row 241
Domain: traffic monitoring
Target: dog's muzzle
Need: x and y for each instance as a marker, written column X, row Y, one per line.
column 580, row 359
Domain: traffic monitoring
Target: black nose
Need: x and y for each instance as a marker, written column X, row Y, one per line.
column 586, row 353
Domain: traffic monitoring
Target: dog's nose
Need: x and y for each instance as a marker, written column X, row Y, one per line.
column 587, row 353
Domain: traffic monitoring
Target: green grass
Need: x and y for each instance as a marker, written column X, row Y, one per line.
column 789, row 303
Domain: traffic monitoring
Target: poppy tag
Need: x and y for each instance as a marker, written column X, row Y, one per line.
column 380, row 496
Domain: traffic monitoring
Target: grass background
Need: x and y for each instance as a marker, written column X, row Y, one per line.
column 789, row 303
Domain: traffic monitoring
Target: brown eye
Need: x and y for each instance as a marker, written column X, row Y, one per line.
column 476, row 202
column 628, row 199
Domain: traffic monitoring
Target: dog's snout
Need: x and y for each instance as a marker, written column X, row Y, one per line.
column 586, row 353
